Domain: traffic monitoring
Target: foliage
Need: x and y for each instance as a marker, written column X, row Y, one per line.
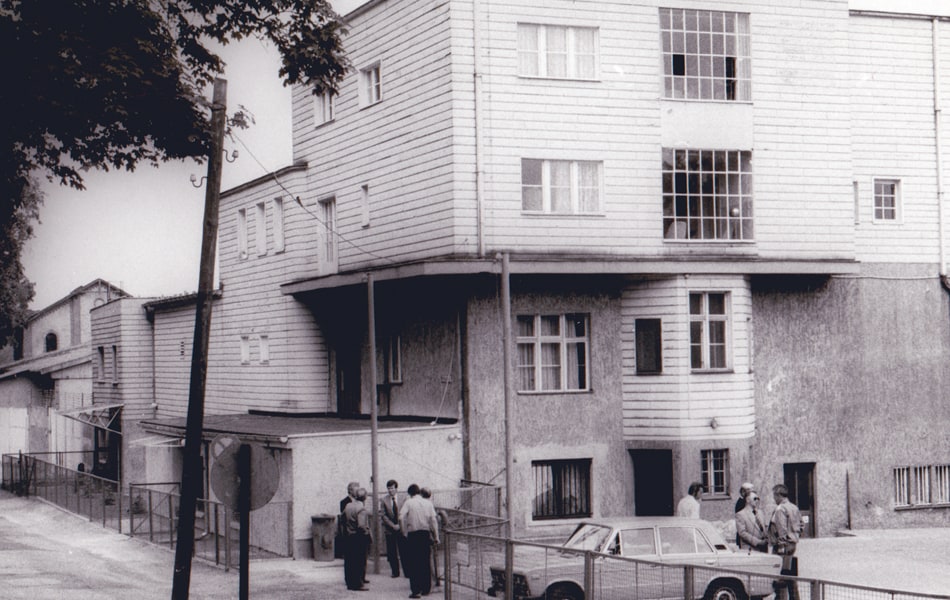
column 115, row 83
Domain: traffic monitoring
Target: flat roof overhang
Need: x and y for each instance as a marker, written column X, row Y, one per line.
column 541, row 266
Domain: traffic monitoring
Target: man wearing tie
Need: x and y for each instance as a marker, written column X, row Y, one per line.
column 389, row 511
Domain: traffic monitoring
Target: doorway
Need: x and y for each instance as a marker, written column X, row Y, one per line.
column 800, row 481
column 652, row 482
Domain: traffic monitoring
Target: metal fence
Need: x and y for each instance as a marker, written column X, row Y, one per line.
column 147, row 510
column 479, row 565
column 154, row 514
column 44, row 475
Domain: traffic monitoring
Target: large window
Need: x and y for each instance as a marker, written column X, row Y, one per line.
column 886, row 199
column 557, row 52
column 705, row 54
column 707, row 195
column 708, row 328
column 924, row 485
column 715, row 471
column 561, row 489
column 552, row 352
column 560, row 186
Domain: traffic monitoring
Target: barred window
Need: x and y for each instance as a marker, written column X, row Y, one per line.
column 561, row 488
column 922, row 485
column 715, row 470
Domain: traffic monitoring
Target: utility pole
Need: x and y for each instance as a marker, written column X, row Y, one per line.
column 191, row 464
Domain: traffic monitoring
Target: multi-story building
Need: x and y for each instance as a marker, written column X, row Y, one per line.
column 46, row 383
column 709, row 239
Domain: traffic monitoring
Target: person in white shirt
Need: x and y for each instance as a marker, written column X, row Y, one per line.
column 688, row 505
column 420, row 524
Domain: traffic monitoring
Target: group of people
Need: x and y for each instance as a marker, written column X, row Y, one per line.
column 411, row 530
column 781, row 533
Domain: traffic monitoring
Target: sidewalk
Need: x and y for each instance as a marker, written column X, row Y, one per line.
column 47, row 553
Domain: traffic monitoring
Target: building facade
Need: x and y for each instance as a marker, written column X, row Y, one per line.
column 46, row 381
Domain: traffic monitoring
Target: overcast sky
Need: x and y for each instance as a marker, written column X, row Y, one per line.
column 142, row 231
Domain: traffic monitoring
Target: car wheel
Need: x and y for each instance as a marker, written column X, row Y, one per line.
column 725, row 590
column 564, row 591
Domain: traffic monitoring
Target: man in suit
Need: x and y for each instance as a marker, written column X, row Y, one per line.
column 389, row 513
column 750, row 529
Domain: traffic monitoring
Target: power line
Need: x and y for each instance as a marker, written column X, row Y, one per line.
column 296, row 199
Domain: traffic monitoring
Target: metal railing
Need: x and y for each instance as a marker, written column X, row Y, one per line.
column 94, row 497
column 470, row 558
column 147, row 509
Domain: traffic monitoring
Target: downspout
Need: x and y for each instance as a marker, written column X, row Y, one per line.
column 479, row 159
column 941, row 212
column 507, row 377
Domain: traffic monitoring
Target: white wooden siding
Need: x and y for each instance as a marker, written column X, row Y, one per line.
column 892, row 103
column 680, row 404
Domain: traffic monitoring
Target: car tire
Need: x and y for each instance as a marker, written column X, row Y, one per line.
column 564, row 591
column 725, row 590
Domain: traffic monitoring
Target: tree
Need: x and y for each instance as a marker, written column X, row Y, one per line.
column 112, row 84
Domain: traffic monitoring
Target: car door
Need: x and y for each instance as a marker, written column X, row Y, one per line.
column 634, row 579
column 683, row 544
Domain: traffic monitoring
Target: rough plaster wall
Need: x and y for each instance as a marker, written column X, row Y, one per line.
column 851, row 374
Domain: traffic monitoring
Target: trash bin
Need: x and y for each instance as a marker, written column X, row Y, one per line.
column 323, row 528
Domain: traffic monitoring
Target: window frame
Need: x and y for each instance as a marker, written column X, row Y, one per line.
column 329, row 249
column 708, row 196
column 541, row 52
column 538, row 340
column 577, row 473
column 242, row 233
column 280, row 241
column 394, row 359
column 115, row 365
column 714, row 471
column 705, row 344
column 546, row 185
column 879, row 208
column 921, row 486
column 50, row 342
column 324, row 108
column 704, row 60
column 371, row 84
column 648, row 341
column 260, row 228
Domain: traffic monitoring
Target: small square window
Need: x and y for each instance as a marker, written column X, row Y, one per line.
column 561, row 489
column 886, row 199
column 715, row 470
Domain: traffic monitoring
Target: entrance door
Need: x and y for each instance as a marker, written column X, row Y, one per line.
column 652, row 482
column 348, row 380
column 800, row 481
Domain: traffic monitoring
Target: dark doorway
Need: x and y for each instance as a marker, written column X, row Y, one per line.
column 348, row 380
column 800, row 481
column 652, row 482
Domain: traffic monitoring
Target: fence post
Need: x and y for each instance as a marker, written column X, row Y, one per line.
column 509, row 569
column 815, row 590
column 227, row 539
column 688, row 582
column 447, row 565
column 171, row 521
column 118, row 504
column 588, row 574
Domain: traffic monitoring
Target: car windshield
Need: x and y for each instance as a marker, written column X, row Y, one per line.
column 588, row 537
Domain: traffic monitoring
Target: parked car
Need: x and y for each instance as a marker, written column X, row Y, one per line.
column 660, row 542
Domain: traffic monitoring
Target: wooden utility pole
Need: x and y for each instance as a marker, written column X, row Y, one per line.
column 191, row 464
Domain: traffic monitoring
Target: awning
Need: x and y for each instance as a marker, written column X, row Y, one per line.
column 98, row 415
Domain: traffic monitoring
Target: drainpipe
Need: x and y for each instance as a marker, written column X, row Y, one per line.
column 374, row 413
column 479, row 159
column 506, row 356
column 941, row 212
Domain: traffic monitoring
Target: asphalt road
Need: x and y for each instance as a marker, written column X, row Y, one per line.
column 46, row 554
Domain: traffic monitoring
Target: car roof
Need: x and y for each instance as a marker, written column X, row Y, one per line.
column 622, row 522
